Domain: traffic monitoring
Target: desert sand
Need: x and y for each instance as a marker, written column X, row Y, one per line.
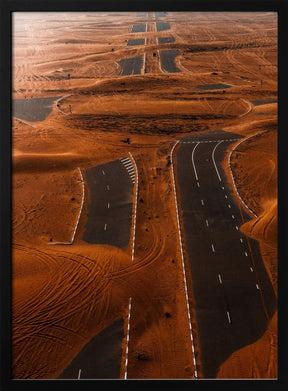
column 65, row 295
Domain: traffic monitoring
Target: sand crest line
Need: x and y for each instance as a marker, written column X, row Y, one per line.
column 115, row 70
column 231, row 172
column 57, row 101
column 250, row 107
column 80, row 211
column 182, row 66
column 182, row 258
column 24, row 122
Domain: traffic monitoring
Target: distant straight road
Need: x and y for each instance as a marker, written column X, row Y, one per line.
column 166, row 40
column 160, row 14
column 139, row 28
column 234, row 298
column 131, row 66
column 167, row 58
column 134, row 42
column 161, row 26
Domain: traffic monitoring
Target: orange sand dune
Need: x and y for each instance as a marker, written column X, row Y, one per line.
column 29, row 162
column 65, row 295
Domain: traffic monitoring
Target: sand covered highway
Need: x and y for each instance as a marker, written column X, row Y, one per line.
column 132, row 65
column 110, row 208
column 234, row 298
column 100, row 108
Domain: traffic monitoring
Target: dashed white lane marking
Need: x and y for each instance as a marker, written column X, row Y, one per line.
column 233, row 217
column 257, row 286
column 213, row 158
column 202, row 202
column 105, row 227
column 209, row 141
column 79, row 374
column 108, row 205
column 222, row 187
column 226, row 196
column 237, row 227
column 220, row 279
column 213, row 248
column 192, row 158
column 228, row 316
column 127, row 341
column 198, row 184
column 246, row 255
column 103, row 172
column 241, row 240
column 135, row 207
column 229, row 206
column 251, row 268
column 207, row 223
column 107, row 187
column 183, row 265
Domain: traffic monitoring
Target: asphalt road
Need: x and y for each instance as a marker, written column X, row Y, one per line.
column 134, row 42
column 160, row 14
column 139, row 28
column 100, row 358
column 161, row 26
column 131, row 66
column 33, row 109
column 167, row 58
column 166, row 40
column 110, row 203
column 233, row 294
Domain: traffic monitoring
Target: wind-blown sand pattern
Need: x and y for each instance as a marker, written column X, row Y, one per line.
column 65, row 295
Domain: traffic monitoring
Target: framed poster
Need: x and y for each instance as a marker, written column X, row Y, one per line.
column 143, row 157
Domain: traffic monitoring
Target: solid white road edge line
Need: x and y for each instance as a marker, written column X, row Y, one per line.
column 213, row 158
column 192, row 158
column 182, row 258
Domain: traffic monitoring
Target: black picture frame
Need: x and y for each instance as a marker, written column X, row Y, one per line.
column 9, row 6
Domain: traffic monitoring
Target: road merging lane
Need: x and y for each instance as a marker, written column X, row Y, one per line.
column 110, row 212
column 226, row 268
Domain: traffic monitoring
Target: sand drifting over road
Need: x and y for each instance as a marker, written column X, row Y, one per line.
column 63, row 295
column 254, row 164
